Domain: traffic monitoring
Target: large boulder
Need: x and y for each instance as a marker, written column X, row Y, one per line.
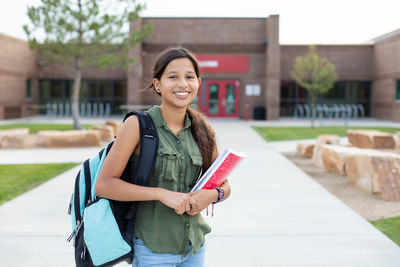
column 333, row 156
column 398, row 139
column 305, row 150
column 106, row 132
column 11, row 138
column 69, row 138
column 371, row 139
column 19, row 141
column 324, row 139
column 14, row 131
column 375, row 172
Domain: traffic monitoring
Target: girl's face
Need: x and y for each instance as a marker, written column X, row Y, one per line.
column 178, row 84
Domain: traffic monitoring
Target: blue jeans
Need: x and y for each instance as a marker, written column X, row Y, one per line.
column 144, row 257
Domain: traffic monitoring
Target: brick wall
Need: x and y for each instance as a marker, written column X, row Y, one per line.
column 17, row 64
column 387, row 71
column 60, row 71
column 206, row 31
column 352, row 62
column 273, row 69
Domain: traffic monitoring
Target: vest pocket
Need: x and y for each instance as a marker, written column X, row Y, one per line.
column 197, row 159
column 168, row 163
column 197, row 162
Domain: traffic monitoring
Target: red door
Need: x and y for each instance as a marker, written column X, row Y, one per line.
column 220, row 99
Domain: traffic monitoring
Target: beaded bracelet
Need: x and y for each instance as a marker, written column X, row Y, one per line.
column 220, row 194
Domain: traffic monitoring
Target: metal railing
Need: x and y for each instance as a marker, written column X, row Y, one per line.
column 87, row 109
column 335, row 111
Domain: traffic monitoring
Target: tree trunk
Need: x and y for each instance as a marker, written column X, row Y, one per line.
column 75, row 99
column 313, row 109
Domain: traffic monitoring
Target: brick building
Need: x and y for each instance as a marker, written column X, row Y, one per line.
column 17, row 69
column 244, row 68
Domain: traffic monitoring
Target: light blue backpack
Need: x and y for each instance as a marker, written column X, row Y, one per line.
column 102, row 228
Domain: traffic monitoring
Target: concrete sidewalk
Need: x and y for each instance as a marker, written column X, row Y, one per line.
column 47, row 155
column 276, row 216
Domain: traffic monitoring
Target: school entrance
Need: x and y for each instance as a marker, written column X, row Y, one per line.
column 219, row 98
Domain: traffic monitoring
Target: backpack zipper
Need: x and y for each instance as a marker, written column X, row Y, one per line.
column 83, row 253
column 76, row 230
column 70, row 205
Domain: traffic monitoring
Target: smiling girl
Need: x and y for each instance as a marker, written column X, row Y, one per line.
column 169, row 229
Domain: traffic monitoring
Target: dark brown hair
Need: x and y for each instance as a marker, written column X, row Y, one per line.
column 202, row 132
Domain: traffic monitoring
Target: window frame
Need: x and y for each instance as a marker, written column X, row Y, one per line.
column 397, row 90
column 28, row 91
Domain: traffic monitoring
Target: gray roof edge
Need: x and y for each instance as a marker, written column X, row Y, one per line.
column 386, row 36
column 201, row 17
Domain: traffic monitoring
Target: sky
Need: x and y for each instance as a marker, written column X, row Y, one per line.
column 301, row 21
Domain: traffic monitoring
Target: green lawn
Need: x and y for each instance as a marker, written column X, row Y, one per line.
column 390, row 227
column 35, row 127
column 295, row 133
column 19, row 178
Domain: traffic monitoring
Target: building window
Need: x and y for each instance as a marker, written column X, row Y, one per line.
column 102, row 94
column 350, row 93
column 398, row 90
column 28, row 88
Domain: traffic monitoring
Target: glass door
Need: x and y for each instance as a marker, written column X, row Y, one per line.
column 213, row 99
column 230, row 99
column 221, row 98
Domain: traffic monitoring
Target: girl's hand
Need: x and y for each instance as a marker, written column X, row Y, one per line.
column 180, row 202
column 201, row 199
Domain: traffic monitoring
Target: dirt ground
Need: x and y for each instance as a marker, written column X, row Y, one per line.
column 371, row 207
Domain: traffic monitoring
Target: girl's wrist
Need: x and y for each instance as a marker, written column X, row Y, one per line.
column 214, row 196
column 159, row 193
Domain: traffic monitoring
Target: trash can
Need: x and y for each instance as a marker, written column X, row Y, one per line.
column 259, row 113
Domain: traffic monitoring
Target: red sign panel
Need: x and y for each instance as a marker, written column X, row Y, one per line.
column 223, row 63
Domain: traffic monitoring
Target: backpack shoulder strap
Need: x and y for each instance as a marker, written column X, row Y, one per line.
column 147, row 156
column 148, row 147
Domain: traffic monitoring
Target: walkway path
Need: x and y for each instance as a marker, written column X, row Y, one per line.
column 276, row 216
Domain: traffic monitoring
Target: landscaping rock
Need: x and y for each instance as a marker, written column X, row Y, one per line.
column 106, row 132
column 371, row 139
column 375, row 172
column 323, row 139
column 398, row 139
column 19, row 141
column 15, row 131
column 305, row 150
column 333, row 156
column 10, row 137
column 115, row 124
column 69, row 138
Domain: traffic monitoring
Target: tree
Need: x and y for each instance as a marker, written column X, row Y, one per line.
column 84, row 34
column 317, row 75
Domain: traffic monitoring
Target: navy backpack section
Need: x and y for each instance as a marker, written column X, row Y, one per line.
column 103, row 229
